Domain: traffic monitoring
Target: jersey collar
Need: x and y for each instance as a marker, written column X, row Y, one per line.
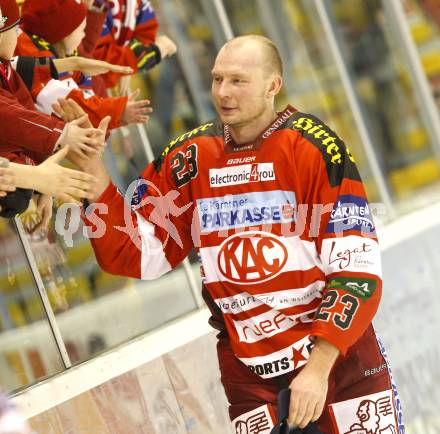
column 231, row 146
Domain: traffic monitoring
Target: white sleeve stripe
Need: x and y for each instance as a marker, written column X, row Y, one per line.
column 277, row 300
column 37, row 125
column 153, row 260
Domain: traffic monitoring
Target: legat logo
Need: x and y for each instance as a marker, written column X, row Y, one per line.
column 251, row 257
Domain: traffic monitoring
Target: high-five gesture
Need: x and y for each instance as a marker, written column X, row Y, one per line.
column 50, row 178
column 83, row 141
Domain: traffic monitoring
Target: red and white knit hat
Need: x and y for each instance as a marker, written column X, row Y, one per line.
column 10, row 16
column 52, row 20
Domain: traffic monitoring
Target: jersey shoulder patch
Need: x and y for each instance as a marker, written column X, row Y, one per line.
column 212, row 128
column 339, row 161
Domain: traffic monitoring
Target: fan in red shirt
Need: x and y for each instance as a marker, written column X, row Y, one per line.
column 128, row 37
column 43, row 36
column 27, row 136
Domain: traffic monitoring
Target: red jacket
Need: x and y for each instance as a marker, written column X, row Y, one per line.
column 75, row 86
column 283, row 229
column 24, row 132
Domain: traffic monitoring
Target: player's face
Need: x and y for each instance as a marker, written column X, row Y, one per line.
column 239, row 85
column 72, row 41
column 8, row 42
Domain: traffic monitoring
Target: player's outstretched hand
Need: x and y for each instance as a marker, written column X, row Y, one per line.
column 65, row 184
column 83, row 141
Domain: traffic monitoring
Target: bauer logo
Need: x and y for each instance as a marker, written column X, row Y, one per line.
column 244, row 210
column 251, row 257
column 351, row 213
column 241, row 174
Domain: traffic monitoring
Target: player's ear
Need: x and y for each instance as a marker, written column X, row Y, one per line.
column 275, row 85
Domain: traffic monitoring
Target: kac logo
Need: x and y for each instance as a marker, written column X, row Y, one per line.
column 251, row 257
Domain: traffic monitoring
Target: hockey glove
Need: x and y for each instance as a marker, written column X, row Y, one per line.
column 147, row 55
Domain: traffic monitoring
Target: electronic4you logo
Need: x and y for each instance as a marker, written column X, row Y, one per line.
column 241, row 174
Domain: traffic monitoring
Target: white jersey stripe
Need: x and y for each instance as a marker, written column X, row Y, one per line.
column 153, row 260
column 268, row 324
column 280, row 362
column 276, row 300
column 301, row 255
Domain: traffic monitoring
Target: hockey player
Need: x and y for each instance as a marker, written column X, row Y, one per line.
column 291, row 267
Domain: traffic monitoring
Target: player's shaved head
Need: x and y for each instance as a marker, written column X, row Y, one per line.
column 270, row 55
column 246, row 78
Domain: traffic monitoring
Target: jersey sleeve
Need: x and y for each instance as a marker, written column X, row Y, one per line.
column 108, row 50
column 98, row 107
column 42, row 80
column 95, row 22
column 46, row 91
column 147, row 232
column 342, row 226
column 28, row 129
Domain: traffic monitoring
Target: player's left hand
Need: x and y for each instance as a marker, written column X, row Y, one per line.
column 308, row 395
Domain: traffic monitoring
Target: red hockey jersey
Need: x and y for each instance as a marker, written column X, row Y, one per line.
column 283, row 229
